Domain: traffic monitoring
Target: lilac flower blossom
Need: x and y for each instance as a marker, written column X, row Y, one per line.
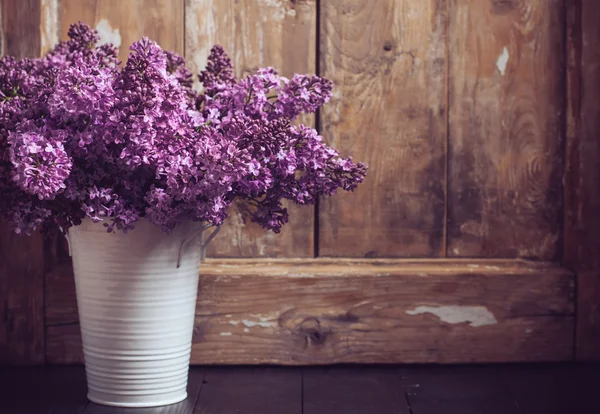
column 81, row 137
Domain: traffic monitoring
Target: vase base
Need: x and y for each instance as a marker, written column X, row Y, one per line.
column 136, row 402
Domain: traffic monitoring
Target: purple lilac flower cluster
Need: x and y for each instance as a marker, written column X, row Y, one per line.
column 81, row 136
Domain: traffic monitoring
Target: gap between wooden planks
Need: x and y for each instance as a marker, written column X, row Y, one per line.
column 324, row 311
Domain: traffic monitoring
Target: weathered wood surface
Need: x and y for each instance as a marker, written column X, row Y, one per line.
column 297, row 312
column 124, row 22
column 63, row 344
column 251, row 390
column 506, row 128
column 422, row 389
column 20, row 32
column 21, row 257
column 582, row 238
column 257, row 33
column 387, row 60
column 21, row 297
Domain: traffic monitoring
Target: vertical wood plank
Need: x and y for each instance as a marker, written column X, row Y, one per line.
column 20, row 28
column 257, row 33
column 21, row 257
column 124, row 22
column 387, row 61
column 49, row 27
column 582, row 239
column 506, row 127
column 572, row 225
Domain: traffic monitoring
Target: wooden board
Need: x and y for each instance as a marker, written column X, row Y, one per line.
column 251, row 391
column 63, row 344
column 20, row 28
column 582, row 175
column 43, row 389
column 506, row 128
column 341, row 390
column 21, row 257
column 298, row 312
column 572, row 176
column 457, row 390
column 257, row 33
column 531, row 388
column 194, row 388
column 556, row 389
column 387, row 61
column 124, row 22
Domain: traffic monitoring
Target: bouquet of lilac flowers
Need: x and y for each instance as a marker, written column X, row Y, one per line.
column 81, row 136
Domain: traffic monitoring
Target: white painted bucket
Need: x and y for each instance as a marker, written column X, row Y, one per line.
column 136, row 309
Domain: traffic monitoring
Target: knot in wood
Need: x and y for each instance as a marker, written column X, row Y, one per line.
column 504, row 6
column 314, row 334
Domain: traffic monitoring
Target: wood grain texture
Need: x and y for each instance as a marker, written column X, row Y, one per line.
column 387, row 61
column 21, row 297
column 340, row 390
column 457, row 390
column 298, row 312
column 61, row 299
column 21, row 257
column 20, row 32
column 63, row 344
column 124, row 22
column 49, row 26
column 582, row 239
column 248, row 390
column 257, row 33
column 506, row 128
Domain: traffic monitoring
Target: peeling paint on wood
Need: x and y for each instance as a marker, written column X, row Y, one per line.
column 126, row 22
column 346, row 312
column 49, row 25
column 108, row 34
column 502, row 61
column 473, row 315
column 506, row 132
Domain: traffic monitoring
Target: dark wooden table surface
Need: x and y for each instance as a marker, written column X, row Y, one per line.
column 491, row 389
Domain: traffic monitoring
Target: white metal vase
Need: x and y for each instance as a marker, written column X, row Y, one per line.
column 136, row 295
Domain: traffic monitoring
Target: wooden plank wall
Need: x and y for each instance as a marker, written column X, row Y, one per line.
column 460, row 108
column 21, row 258
column 506, row 128
column 582, row 218
column 257, row 33
column 388, row 62
column 124, row 22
